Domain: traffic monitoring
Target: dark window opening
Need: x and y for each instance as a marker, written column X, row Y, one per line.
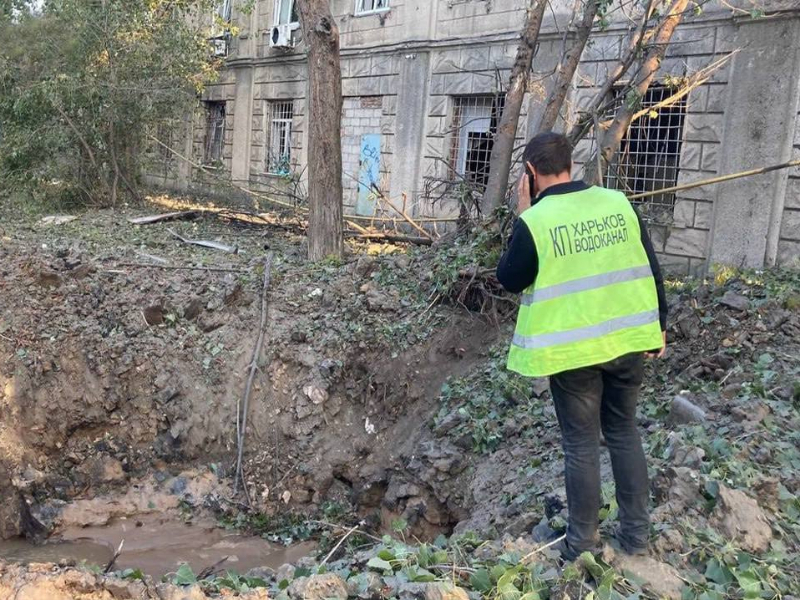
column 649, row 155
column 474, row 125
column 215, row 132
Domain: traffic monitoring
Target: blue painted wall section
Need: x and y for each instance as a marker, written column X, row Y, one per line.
column 369, row 173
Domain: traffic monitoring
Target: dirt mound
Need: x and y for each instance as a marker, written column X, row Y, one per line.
column 43, row 582
column 112, row 365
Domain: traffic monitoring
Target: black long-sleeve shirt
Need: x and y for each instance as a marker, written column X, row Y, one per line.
column 519, row 264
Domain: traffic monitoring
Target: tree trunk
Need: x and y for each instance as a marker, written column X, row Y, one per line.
column 637, row 37
column 503, row 147
column 567, row 67
column 321, row 35
column 609, row 141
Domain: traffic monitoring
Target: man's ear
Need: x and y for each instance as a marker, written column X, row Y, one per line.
column 530, row 167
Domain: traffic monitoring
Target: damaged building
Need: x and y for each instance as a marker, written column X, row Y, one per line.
column 423, row 84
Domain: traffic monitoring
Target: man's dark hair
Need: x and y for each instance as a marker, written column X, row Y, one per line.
column 550, row 153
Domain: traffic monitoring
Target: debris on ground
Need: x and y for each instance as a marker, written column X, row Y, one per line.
column 382, row 397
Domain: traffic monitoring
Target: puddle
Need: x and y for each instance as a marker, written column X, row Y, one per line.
column 22, row 551
column 158, row 545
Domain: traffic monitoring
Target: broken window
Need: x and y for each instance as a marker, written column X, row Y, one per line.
column 649, row 155
column 370, row 6
column 279, row 150
column 285, row 12
column 474, row 125
column 215, row 132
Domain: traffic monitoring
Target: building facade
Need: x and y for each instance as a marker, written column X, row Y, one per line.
column 423, row 84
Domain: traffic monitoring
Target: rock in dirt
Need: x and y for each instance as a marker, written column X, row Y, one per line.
column 739, row 517
column 683, row 411
column 15, row 516
column 45, row 582
column 735, row 301
column 364, row 266
column 444, row 591
column 365, row 585
column 676, row 490
column 660, row 578
column 438, row 590
column 319, row 587
column 104, row 469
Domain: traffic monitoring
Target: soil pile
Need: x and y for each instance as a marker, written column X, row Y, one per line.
column 375, row 400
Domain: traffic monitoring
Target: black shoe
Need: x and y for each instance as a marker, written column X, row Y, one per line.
column 568, row 553
column 620, row 543
column 543, row 533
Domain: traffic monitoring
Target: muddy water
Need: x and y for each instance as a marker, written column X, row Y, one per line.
column 158, row 545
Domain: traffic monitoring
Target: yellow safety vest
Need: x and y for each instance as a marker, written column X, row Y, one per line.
column 594, row 298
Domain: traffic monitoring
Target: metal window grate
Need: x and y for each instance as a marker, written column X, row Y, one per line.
column 368, row 6
column 473, row 127
column 215, row 131
column 279, row 151
column 649, row 155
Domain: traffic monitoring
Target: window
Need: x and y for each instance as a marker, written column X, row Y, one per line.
column 649, row 155
column 215, row 132
column 285, row 13
column 279, row 148
column 223, row 10
column 364, row 7
column 474, row 125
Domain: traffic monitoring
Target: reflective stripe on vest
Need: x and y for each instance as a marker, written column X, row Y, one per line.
column 594, row 298
column 585, row 333
column 586, row 283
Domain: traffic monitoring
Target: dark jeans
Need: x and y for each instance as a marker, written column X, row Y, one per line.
column 586, row 400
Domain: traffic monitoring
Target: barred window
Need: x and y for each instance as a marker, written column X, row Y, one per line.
column 370, row 6
column 215, row 132
column 649, row 155
column 279, row 149
column 473, row 126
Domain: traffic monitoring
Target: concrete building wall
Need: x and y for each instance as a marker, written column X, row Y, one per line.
column 405, row 69
column 789, row 241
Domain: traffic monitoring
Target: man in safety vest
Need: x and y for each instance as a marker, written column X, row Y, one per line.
column 592, row 306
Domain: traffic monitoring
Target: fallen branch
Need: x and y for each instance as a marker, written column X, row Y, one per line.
column 720, row 179
column 545, row 547
column 242, row 408
column 405, row 216
column 173, row 216
column 287, row 205
column 180, row 268
column 342, row 528
column 206, row 244
column 341, row 541
column 208, row 571
column 389, row 237
column 114, row 558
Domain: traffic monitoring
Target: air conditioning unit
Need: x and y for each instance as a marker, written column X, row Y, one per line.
column 220, row 46
column 281, row 36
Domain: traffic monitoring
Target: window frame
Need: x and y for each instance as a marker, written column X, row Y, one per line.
column 224, row 10
column 359, row 10
column 628, row 161
column 276, row 15
column 272, row 106
column 220, row 125
column 459, row 152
